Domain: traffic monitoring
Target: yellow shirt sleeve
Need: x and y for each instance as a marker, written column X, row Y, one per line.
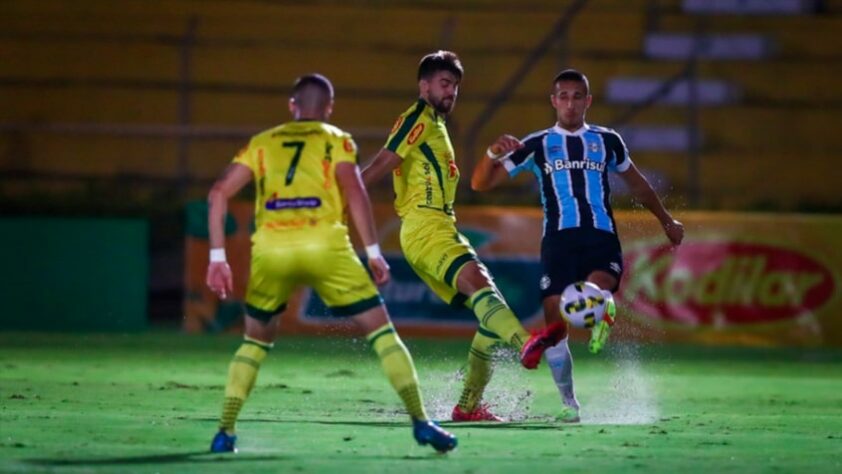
column 346, row 152
column 246, row 157
column 407, row 133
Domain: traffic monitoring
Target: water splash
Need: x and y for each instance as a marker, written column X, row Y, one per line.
column 507, row 394
column 629, row 397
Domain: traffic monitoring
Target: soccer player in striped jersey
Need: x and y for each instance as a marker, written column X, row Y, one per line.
column 420, row 157
column 571, row 161
column 305, row 173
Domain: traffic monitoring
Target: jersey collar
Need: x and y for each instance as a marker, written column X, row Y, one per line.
column 431, row 111
column 577, row 133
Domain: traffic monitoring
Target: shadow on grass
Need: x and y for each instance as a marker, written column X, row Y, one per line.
column 192, row 457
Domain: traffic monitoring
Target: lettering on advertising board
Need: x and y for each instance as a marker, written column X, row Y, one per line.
column 721, row 282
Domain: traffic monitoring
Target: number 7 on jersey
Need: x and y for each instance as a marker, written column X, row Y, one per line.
column 299, row 146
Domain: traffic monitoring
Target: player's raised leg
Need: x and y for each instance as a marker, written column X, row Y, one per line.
column 488, row 305
column 601, row 332
column 400, row 370
column 242, row 374
column 494, row 313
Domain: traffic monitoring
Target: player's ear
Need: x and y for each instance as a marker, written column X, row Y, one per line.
column 329, row 108
column 423, row 87
column 292, row 105
column 588, row 101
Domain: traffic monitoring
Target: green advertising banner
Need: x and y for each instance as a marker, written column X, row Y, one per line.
column 73, row 274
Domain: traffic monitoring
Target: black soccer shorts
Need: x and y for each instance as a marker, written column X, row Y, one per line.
column 570, row 255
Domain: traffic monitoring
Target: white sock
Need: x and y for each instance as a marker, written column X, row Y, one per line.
column 561, row 365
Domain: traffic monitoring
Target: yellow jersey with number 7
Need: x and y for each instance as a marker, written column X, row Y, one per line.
column 294, row 172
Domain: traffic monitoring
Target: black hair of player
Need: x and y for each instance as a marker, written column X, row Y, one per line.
column 572, row 75
column 440, row 61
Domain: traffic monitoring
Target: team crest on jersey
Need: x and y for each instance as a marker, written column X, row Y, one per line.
column 545, row 282
column 415, row 133
column 594, row 146
column 548, row 168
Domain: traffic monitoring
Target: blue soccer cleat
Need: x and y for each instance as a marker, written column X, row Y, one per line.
column 427, row 432
column 223, row 443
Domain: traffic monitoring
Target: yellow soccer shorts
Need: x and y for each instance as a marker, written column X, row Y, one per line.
column 329, row 266
column 436, row 251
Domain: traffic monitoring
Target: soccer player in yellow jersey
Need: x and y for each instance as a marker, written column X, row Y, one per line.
column 420, row 156
column 305, row 173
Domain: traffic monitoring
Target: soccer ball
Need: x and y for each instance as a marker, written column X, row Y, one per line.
column 582, row 304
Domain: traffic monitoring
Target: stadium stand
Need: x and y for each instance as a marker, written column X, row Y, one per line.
column 168, row 90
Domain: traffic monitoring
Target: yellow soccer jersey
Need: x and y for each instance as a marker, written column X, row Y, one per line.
column 294, row 172
column 428, row 176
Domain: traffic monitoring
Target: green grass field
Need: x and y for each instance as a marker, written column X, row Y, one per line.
column 149, row 403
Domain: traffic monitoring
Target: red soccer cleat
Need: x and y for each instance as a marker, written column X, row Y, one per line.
column 530, row 354
column 479, row 413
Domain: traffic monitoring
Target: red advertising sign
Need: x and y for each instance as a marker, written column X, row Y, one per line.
column 724, row 282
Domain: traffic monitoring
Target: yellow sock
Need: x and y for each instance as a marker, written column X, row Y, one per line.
column 242, row 374
column 494, row 314
column 397, row 363
column 479, row 369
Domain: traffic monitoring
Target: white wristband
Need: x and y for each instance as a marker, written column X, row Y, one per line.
column 491, row 155
column 217, row 255
column 373, row 251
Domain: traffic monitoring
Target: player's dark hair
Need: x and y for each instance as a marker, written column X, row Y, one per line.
column 573, row 76
column 312, row 91
column 440, row 61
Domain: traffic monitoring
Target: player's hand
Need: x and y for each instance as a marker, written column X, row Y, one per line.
column 504, row 145
column 380, row 270
column 219, row 279
column 675, row 231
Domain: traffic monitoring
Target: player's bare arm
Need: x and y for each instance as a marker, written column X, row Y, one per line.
column 350, row 183
column 235, row 176
column 383, row 163
column 645, row 195
column 490, row 171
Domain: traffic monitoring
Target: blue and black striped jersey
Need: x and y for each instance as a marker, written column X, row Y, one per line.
column 572, row 170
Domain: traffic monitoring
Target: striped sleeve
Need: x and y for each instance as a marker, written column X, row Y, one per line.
column 621, row 161
column 523, row 158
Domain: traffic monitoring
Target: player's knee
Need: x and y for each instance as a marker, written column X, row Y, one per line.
column 262, row 330
column 372, row 318
column 472, row 278
column 604, row 280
